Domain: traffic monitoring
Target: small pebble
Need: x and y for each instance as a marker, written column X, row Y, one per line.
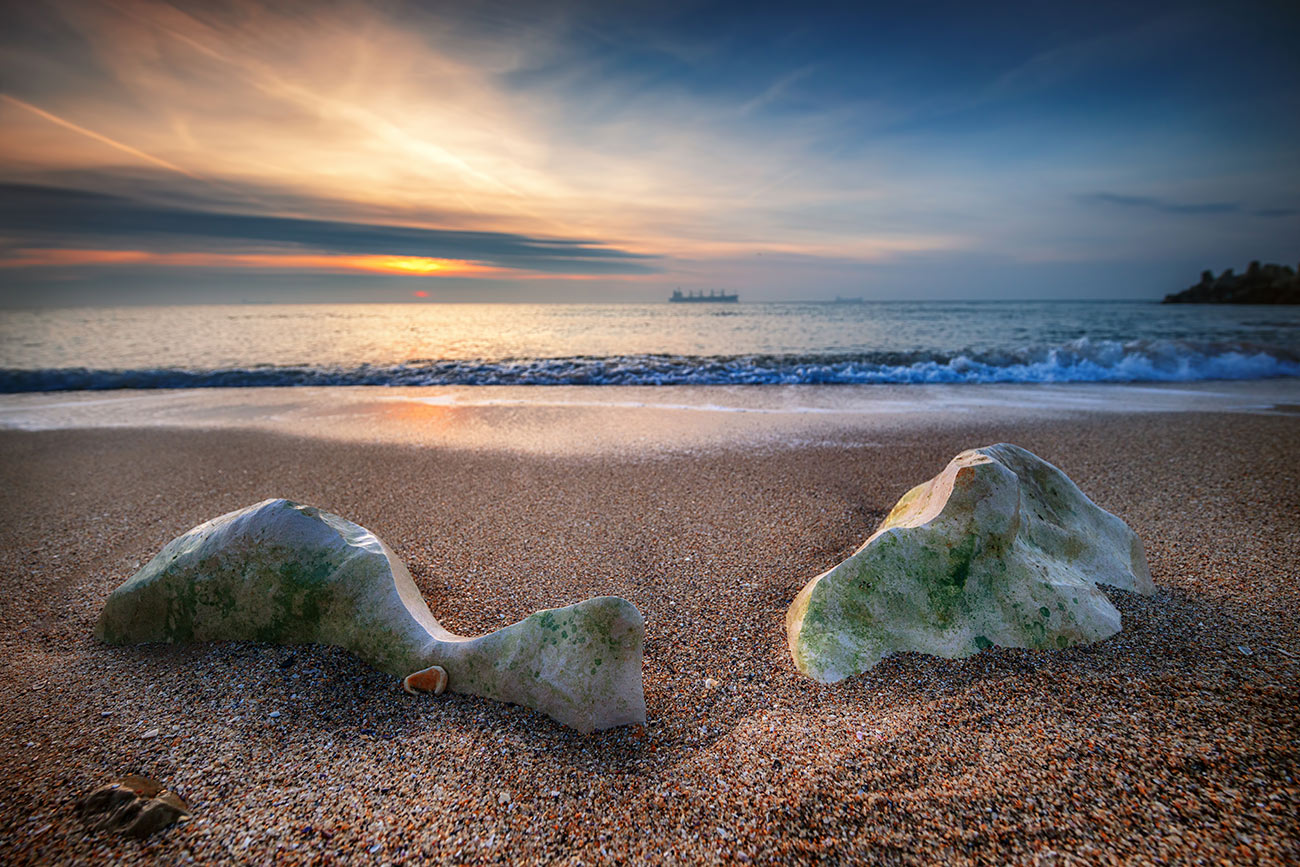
column 152, row 733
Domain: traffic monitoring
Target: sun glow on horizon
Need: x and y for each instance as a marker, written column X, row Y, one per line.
column 411, row 266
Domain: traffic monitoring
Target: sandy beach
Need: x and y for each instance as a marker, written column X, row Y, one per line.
column 1173, row 742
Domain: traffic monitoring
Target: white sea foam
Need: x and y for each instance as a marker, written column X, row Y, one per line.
column 1080, row 360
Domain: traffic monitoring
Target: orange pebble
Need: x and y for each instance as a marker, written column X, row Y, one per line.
column 432, row 679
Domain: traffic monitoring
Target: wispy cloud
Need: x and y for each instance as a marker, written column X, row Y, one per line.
column 1165, row 206
column 99, row 137
column 1073, row 61
column 1151, row 203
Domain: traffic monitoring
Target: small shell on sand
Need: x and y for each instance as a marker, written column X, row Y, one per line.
column 432, row 679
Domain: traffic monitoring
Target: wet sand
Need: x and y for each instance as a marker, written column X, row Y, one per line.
column 1175, row 741
column 624, row 421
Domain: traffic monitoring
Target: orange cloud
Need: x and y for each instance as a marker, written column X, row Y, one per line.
column 416, row 266
column 363, row 108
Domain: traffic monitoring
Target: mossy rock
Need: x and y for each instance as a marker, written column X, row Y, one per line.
column 1001, row 548
column 285, row 573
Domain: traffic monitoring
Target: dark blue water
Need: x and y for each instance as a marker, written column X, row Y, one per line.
column 586, row 344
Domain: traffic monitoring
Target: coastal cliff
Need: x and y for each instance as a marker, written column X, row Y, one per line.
column 1261, row 284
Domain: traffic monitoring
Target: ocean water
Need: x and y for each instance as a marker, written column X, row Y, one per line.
column 656, row 344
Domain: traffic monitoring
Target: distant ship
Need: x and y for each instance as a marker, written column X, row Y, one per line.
column 700, row 298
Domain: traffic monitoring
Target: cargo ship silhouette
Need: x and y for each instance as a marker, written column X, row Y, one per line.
column 713, row 297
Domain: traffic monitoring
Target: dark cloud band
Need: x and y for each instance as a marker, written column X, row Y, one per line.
column 35, row 215
column 1154, row 204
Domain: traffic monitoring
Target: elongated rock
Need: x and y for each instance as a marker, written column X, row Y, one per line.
column 1000, row 548
column 285, row 573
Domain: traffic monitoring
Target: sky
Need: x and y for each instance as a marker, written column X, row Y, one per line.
column 214, row 151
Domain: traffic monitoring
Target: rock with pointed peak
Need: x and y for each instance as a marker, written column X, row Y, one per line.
column 1000, row 548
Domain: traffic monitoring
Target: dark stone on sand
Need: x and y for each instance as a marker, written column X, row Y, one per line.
column 134, row 806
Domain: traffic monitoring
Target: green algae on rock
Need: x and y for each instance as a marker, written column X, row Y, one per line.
column 999, row 548
column 285, row 573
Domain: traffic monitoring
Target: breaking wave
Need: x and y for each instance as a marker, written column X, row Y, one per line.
column 1081, row 360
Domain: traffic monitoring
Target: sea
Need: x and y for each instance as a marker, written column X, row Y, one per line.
column 257, row 345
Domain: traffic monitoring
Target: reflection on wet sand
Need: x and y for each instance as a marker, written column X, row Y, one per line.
column 614, row 419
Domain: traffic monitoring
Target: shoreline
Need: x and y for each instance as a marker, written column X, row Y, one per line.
column 624, row 420
column 1164, row 742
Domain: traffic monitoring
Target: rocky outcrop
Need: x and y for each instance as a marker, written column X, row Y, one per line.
column 1001, row 548
column 1261, row 284
column 285, row 573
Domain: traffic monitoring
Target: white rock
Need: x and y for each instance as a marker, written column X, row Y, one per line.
column 1001, row 548
column 287, row 573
